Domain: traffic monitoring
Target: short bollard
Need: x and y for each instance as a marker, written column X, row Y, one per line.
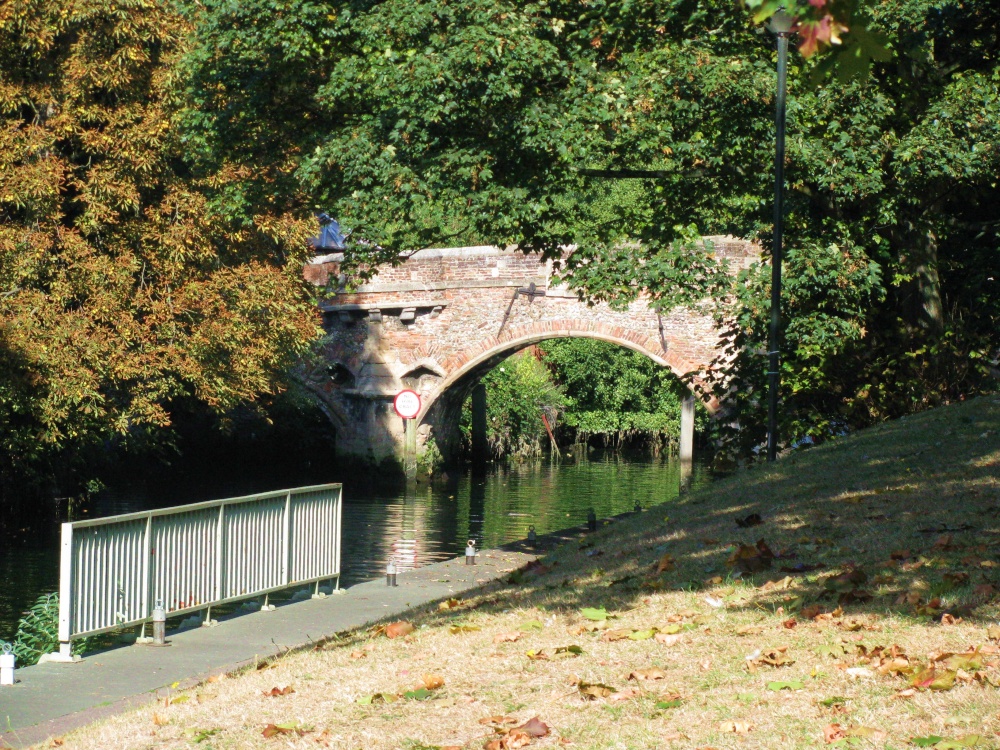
column 7, row 662
column 637, row 508
column 159, row 625
column 470, row 553
column 390, row 573
column 532, row 536
column 592, row 520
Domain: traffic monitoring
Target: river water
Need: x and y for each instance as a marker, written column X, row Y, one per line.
column 419, row 524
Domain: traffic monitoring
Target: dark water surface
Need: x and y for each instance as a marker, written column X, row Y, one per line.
column 419, row 524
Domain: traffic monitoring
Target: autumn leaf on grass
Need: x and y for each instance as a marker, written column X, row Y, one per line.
column 291, row 727
column 460, row 629
column 847, row 586
column 616, row 635
column 773, row 657
column 519, row 736
column 653, row 673
column 449, row 604
column 752, row 559
column 278, row 691
column 642, row 635
column 934, row 679
column 668, row 639
column 506, row 637
column 545, row 654
column 432, row 681
column 624, row 695
column 940, row 743
column 530, row 625
column 594, row 613
column 665, row 564
column 739, row 727
column 593, row 690
column 398, row 629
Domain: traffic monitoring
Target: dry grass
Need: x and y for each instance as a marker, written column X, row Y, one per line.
column 851, row 503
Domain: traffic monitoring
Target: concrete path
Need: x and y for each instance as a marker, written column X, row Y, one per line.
column 52, row 699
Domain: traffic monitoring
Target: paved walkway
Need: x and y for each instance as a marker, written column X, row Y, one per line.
column 51, row 699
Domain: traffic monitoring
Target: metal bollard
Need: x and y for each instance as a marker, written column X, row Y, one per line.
column 390, row 573
column 592, row 520
column 7, row 662
column 159, row 625
column 470, row 553
column 532, row 536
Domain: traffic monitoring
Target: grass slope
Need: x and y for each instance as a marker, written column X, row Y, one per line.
column 901, row 518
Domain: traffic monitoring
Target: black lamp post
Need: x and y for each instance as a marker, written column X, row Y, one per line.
column 781, row 25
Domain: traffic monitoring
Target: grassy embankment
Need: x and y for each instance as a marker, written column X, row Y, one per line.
column 901, row 520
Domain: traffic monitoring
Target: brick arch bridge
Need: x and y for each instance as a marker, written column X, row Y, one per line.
column 442, row 319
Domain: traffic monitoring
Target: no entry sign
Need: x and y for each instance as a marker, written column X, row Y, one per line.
column 407, row 404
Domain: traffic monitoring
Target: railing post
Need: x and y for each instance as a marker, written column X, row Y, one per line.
column 147, row 569
column 286, row 538
column 66, row 591
column 340, row 504
column 220, row 553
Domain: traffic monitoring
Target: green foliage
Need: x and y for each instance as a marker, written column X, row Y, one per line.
column 614, row 392
column 38, row 632
column 518, row 392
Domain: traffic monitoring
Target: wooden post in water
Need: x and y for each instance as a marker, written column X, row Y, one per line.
column 411, row 448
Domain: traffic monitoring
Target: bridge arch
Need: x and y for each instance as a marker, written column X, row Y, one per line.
column 441, row 408
column 441, row 318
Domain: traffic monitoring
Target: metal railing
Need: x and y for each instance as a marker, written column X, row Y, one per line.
column 192, row 557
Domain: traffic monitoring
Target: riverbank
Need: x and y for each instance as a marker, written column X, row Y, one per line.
column 842, row 597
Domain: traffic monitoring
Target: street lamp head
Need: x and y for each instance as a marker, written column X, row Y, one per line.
column 781, row 23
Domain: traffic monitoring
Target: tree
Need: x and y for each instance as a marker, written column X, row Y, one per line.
column 129, row 277
column 471, row 122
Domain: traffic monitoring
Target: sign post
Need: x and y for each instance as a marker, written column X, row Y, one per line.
column 407, row 406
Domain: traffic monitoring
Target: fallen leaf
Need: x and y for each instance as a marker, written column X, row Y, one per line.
column 278, row 691
column 665, row 564
column 289, row 728
column 460, row 629
column 359, row 654
column 668, row 639
column 398, row 629
column 592, row 613
column 624, row 695
column 535, row 727
column 159, row 720
column 432, row 681
column 506, row 637
column 739, row 727
column 530, row 625
column 654, row 673
column 449, row 604
column 615, row 635
column 753, row 519
column 594, row 690
column 832, row 733
column 642, row 635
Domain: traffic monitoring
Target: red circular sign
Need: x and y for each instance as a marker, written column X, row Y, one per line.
column 407, row 404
